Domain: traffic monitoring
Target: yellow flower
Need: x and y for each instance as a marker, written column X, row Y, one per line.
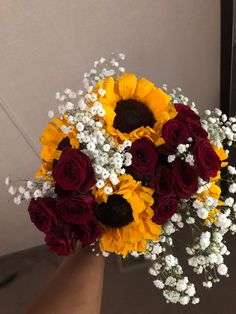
column 222, row 155
column 212, row 216
column 44, row 168
column 213, row 191
column 135, row 108
column 134, row 236
column 51, row 138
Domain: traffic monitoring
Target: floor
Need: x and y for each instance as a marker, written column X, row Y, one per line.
column 127, row 290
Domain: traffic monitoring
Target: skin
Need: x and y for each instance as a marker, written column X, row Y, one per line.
column 75, row 288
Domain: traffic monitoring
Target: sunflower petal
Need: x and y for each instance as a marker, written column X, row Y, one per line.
column 157, row 101
column 127, row 85
column 109, row 116
column 110, row 98
column 143, row 88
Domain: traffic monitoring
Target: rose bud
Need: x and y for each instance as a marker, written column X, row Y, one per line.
column 208, row 162
column 74, row 171
column 43, row 213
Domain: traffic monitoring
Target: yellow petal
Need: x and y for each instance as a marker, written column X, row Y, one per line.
column 149, row 229
column 131, row 233
column 57, row 154
column 217, row 177
column 109, row 116
column 215, row 191
column 111, row 97
column 50, row 135
column 74, row 142
column 157, row 101
column 47, row 153
column 222, row 155
column 143, row 88
column 127, row 85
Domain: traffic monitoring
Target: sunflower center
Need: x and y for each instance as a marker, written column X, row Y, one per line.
column 132, row 114
column 115, row 213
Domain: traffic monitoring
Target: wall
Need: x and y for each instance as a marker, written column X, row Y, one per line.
column 45, row 46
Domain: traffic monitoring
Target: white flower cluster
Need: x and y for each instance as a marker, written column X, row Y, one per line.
column 178, row 97
column 29, row 189
column 219, row 127
column 102, row 69
column 203, row 208
column 107, row 158
column 208, row 249
column 184, row 153
column 84, row 116
column 231, row 179
column 169, row 274
column 169, row 277
column 207, row 255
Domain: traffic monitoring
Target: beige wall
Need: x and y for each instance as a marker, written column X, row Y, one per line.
column 46, row 45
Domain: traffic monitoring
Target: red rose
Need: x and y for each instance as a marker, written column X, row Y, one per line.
column 74, row 171
column 76, row 208
column 175, row 132
column 62, row 240
column 43, row 213
column 163, row 183
column 186, row 178
column 164, row 208
column 89, row 232
column 196, row 130
column 208, row 162
column 60, row 192
column 184, row 113
column 163, row 151
column 144, row 159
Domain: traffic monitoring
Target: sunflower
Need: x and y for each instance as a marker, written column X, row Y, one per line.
column 135, row 108
column 51, row 139
column 52, row 136
column 44, row 168
column 126, row 216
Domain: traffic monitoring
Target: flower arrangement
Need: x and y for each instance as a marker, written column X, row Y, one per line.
column 125, row 165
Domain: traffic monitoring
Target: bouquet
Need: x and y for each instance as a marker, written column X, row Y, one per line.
column 125, row 165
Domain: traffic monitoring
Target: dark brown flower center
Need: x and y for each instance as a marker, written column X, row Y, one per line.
column 65, row 143
column 132, row 114
column 115, row 213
